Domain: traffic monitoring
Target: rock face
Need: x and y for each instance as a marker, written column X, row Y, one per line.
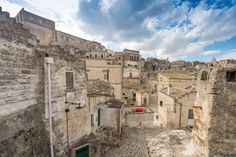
column 215, row 112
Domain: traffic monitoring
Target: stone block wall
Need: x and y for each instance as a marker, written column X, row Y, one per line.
column 22, row 130
column 215, row 113
column 78, row 120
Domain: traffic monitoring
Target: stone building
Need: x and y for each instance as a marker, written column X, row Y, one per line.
column 131, row 74
column 176, row 96
column 71, row 120
column 175, row 79
column 214, row 112
column 98, row 93
column 24, row 97
column 175, row 109
column 100, row 69
column 43, row 28
column 142, row 98
column 153, row 65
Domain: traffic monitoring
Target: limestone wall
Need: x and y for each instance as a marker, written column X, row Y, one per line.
column 78, row 119
column 22, row 109
column 214, row 113
column 140, row 119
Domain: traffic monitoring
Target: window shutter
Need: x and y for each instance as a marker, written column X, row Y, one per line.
column 69, row 80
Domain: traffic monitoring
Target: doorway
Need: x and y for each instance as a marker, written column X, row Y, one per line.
column 99, row 117
column 82, row 152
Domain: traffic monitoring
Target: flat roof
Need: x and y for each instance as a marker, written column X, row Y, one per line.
column 114, row 103
column 176, row 75
column 178, row 92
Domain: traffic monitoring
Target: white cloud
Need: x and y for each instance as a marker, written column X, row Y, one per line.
column 207, row 26
column 106, row 5
column 10, row 7
column 171, row 36
column 63, row 13
column 212, row 52
column 231, row 54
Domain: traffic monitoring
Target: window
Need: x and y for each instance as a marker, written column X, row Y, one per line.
column 106, row 76
column 145, row 101
column 69, row 80
column 230, row 76
column 156, row 117
column 92, row 120
column 161, row 103
column 96, row 56
column 153, row 68
column 101, row 56
column 119, row 58
column 123, row 93
column 190, row 114
column 134, row 96
column 130, row 75
column 204, row 76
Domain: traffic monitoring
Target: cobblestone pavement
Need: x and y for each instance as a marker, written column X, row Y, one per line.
column 134, row 142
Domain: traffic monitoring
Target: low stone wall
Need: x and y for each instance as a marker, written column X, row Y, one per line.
column 139, row 119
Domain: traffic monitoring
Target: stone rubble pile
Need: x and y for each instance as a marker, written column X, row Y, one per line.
column 169, row 144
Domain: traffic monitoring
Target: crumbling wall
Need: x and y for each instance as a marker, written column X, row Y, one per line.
column 22, row 130
column 214, row 113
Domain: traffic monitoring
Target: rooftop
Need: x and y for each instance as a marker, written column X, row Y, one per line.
column 114, row 103
column 177, row 92
column 98, row 87
column 176, row 75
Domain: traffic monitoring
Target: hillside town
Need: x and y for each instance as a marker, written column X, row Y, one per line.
column 65, row 96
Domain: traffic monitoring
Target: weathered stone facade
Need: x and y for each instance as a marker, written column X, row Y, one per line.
column 24, row 97
column 23, row 131
column 214, row 112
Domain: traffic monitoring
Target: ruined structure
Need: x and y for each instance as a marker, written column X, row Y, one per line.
column 214, row 112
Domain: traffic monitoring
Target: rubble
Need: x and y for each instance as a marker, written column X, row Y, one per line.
column 170, row 143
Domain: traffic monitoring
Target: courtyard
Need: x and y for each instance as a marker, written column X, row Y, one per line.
column 150, row 142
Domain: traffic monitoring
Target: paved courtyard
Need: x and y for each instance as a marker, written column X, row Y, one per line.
column 134, row 142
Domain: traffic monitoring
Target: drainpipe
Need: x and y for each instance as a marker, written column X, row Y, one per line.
column 49, row 61
column 180, row 114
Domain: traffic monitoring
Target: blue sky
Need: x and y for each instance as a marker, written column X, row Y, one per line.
column 178, row 29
